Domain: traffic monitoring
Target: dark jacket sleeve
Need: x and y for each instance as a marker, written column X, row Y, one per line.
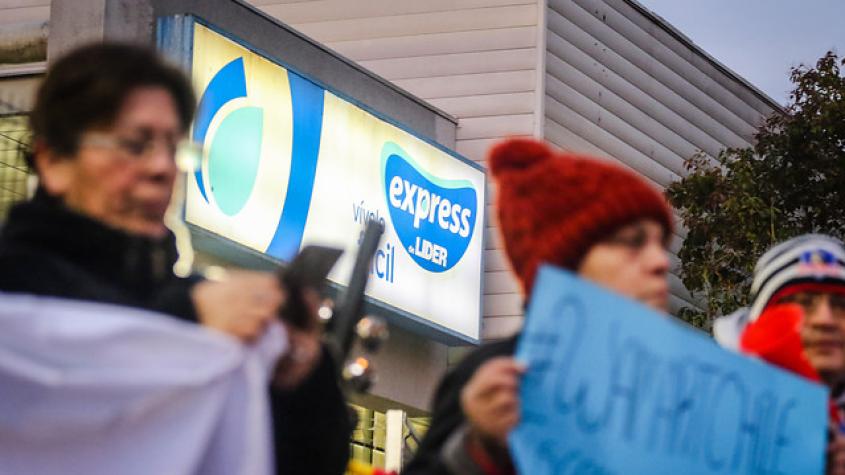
column 174, row 298
column 312, row 425
column 447, row 415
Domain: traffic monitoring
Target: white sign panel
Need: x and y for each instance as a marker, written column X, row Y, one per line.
column 289, row 163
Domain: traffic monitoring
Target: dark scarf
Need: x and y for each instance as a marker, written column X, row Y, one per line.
column 45, row 225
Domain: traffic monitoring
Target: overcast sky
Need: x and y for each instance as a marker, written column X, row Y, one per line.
column 759, row 39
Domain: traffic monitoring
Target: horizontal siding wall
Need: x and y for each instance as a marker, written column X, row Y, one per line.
column 621, row 86
column 474, row 59
column 17, row 14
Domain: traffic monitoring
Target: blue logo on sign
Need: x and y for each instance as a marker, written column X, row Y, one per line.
column 434, row 218
column 235, row 151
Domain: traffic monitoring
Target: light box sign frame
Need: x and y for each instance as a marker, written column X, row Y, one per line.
column 351, row 164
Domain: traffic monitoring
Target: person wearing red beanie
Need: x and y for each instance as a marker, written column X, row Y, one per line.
column 584, row 214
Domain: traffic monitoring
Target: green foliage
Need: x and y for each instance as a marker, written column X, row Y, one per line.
column 791, row 182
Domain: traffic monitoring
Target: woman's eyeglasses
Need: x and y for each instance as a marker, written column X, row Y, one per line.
column 186, row 153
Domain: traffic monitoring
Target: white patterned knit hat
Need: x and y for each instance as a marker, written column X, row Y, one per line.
column 810, row 260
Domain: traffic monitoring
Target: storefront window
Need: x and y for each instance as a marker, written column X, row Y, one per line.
column 368, row 439
column 14, row 136
column 367, row 445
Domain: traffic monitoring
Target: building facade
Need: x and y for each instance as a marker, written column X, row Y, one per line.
column 603, row 77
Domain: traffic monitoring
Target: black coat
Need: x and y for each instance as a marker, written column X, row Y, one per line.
column 45, row 249
column 447, row 415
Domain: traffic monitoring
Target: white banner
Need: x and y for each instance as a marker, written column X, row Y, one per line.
column 93, row 389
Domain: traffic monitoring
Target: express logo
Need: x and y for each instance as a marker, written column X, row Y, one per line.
column 235, row 129
column 434, row 218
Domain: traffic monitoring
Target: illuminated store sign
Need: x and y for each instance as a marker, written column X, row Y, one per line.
column 289, row 163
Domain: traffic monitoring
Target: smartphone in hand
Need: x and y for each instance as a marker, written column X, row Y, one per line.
column 308, row 269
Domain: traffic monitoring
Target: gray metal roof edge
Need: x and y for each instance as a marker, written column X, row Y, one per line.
column 669, row 28
column 350, row 62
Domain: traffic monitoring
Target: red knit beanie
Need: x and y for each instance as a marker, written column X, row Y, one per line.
column 553, row 206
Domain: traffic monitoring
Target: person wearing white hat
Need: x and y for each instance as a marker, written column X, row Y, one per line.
column 797, row 321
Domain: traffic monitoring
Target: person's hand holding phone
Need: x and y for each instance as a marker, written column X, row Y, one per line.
column 302, row 280
column 243, row 303
column 240, row 305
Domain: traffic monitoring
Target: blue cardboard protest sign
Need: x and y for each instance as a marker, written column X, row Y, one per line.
column 614, row 388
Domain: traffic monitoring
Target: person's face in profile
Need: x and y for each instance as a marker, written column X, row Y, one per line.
column 632, row 262
column 123, row 175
